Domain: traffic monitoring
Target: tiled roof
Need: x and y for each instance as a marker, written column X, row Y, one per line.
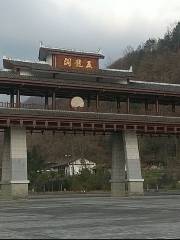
column 10, row 64
column 45, row 51
column 174, row 88
column 154, row 86
column 80, row 79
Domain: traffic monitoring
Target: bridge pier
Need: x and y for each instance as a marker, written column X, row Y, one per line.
column 14, row 183
column 134, row 178
column 118, row 166
column 126, row 165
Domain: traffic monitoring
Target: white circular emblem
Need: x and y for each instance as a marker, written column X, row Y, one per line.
column 77, row 102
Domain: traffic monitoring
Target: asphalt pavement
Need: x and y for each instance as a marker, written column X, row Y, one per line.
column 90, row 217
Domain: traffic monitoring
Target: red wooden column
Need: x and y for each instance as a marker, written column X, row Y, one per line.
column 46, row 102
column 157, row 105
column 12, row 99
column 128, row 104
column 53, row 100
column 18, row 102
column 97, row 101
column 88, row 102
column 173, row 107
column 118, row 104
column 146, row 106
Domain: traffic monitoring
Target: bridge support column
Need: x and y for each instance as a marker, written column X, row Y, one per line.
column 134, row 178
column 118, row 166
column 14, row 183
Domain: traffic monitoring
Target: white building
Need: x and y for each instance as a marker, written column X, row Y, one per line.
column 75, row 167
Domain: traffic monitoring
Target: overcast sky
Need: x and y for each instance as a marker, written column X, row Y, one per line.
column 109, row 25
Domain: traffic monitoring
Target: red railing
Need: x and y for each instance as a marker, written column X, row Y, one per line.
column 89, row 109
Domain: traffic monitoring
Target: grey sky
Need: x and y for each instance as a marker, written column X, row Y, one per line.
column 110, row 25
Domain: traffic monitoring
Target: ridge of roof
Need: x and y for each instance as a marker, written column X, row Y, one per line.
column 24, row 60
column 69, row 49
column 120, row 70
column 155, row 83
column 43, row 52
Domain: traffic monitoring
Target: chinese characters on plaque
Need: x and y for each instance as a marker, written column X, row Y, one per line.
column 78, row 63
column 75, row 62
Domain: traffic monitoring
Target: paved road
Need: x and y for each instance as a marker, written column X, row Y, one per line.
column 91, row 217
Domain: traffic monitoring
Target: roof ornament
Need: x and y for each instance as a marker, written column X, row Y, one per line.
column 131, row 69
column 99, row 51
column 41, row 44
column 7, row 58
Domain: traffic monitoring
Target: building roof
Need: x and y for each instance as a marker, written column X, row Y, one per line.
column 9, row 63
column 72, row 79
column 45, row 51
column 70, row 161
column 108, row 78
column 44, row 67
column 155, row 86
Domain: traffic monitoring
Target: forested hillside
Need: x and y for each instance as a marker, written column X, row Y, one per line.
column 155, row 60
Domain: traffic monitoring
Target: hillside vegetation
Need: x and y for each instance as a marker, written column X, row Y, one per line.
column 155, row 60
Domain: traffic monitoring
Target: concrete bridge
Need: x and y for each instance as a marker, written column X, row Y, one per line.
column 56, row 79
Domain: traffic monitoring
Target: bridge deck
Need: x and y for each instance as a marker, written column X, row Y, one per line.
column 86, row 121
